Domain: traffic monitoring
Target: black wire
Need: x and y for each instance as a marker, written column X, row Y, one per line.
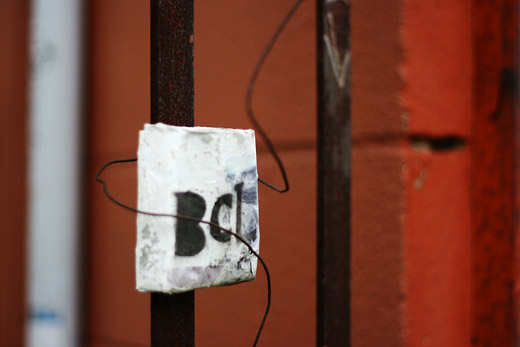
column 249, row 96
column 240, row 238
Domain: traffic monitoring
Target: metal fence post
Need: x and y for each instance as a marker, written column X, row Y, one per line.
column 172, row 98
column 333, row 93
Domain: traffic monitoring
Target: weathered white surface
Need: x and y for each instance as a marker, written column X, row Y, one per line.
column 55, row 174
column 209, row 174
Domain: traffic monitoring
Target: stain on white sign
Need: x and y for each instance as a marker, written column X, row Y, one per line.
column 208, row 174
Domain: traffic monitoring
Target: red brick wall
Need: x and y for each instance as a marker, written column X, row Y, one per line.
column 432, row 174
column 378, row 200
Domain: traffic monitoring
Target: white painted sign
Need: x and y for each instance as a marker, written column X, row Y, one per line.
column 204, row 173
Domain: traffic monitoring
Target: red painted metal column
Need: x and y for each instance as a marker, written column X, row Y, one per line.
column 172, row 97
column 493, row 168
column 437, row 97
column 434, row 245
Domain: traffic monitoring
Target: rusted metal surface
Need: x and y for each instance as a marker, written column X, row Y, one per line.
column 333, row 173
column 173, row 319
column 171, row 62
column 172, row 97
column 493, row 150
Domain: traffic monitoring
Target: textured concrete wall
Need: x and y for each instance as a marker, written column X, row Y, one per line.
column 378, row 199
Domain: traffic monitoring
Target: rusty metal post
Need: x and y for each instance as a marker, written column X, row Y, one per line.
column 333, row 173
column 172, row 98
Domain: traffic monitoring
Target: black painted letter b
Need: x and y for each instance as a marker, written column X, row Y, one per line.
column 190, row 239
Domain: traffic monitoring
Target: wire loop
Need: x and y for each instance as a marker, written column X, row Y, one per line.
column 178, row 216
column 249, row 97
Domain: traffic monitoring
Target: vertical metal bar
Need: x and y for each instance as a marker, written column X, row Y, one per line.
column 172, row 97
column 173, row 319
column 333, row 173
column 172, row 93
